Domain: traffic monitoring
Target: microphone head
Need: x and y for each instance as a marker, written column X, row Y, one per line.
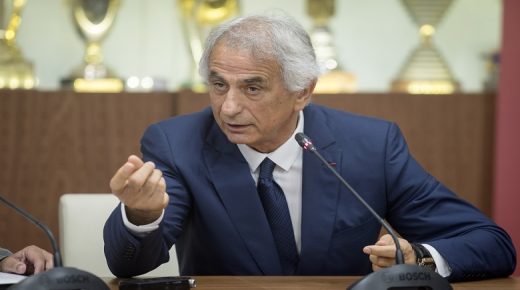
column 304, row 141
column 61, row 278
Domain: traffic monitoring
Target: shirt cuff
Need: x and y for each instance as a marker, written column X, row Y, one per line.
column 441, row 265
column 142, row 230
column 4, row 253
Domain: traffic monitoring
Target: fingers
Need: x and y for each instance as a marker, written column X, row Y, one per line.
column 118, row 181
column 150, row 202
column 135, row 160
column 37, row 260
column 152, row 182
column 159, row 192
column 385, row 240
column 28, row 261
column 132, row 176
column 381, row 262
column 384, row 247
column 12, row 265
column 46, row 264
column 140, row 181
column 141, row 188
column 382, row 254
column 166, row 199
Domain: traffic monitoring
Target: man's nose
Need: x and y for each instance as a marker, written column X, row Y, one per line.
column 231, row 105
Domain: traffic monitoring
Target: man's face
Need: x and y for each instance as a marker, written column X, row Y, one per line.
column 249, row 101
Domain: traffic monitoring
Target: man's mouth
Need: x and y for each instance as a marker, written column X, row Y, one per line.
column 236, row 127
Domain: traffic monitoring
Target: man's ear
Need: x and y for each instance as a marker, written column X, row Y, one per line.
column 304, row 96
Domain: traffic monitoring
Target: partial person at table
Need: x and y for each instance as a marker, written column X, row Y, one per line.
column 233, row 191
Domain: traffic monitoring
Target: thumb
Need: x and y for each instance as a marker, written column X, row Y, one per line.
column 13, row 265
column 20, row 268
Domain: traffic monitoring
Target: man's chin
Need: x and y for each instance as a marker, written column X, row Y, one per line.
column 237, row 139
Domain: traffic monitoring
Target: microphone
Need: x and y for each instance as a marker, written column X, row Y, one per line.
column 59, row 277
column 399, row 276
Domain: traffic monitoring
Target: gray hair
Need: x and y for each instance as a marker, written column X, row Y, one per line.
column 274, row 36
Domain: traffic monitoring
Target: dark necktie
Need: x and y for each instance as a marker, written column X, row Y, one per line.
column 277, row 212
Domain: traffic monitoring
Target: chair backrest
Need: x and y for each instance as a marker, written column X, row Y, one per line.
column 81, row 219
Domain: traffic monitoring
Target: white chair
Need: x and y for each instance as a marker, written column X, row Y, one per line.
column 81, row 220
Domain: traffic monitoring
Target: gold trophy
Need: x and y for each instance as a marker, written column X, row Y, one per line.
column 425, row 71
column 15, row 71
column 198, row 18
column 333, row 79
column 93, row 20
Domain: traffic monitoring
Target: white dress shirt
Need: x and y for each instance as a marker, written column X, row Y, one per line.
column 287, row 173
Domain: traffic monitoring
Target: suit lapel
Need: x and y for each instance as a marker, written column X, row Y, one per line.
column 320, row 194
column 236, row 188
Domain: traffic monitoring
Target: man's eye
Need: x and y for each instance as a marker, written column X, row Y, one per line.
column 253, row 89
column 219, row 85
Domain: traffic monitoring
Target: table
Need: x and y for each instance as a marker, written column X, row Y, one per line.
column 316, row 283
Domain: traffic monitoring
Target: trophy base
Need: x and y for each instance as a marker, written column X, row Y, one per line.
column 17, row 76
column 336, row 82
column 82, row 85
column 15, row 72
column 433, row 87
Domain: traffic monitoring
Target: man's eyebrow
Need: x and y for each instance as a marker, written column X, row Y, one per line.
column 252, row 80
column 255, row 80
column 214, row 74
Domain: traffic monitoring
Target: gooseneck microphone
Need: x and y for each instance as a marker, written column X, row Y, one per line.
column 399, row 276
column 54, row 245
column 306, row 144
column 59, row 277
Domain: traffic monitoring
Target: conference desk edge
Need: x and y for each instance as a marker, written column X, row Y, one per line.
column 315, row 282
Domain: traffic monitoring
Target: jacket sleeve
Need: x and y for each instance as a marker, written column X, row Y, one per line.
column 423, row 210
column 128, row 255
column 4, row 253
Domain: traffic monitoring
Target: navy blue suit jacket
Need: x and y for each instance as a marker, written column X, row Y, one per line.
column 215, row 217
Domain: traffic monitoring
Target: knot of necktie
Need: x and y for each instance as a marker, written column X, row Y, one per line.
column 266, row 169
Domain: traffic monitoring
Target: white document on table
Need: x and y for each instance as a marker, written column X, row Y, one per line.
column 8, row 278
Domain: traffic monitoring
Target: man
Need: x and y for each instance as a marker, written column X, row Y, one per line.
column 28, row 261
column 204, row 184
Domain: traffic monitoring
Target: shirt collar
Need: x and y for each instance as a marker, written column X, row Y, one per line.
column 284, row 156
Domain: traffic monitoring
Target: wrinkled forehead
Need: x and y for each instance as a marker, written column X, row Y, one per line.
column 245, row 40
column 242, row 61
column 255, row 54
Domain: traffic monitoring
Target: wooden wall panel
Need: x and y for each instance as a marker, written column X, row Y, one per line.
column 57, row 142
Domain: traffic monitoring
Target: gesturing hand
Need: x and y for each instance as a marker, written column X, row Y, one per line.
column 142, row 189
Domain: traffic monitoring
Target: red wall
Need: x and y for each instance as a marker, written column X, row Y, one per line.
column 507, row 140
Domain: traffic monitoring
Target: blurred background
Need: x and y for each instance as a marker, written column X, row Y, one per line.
column 373, row 39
